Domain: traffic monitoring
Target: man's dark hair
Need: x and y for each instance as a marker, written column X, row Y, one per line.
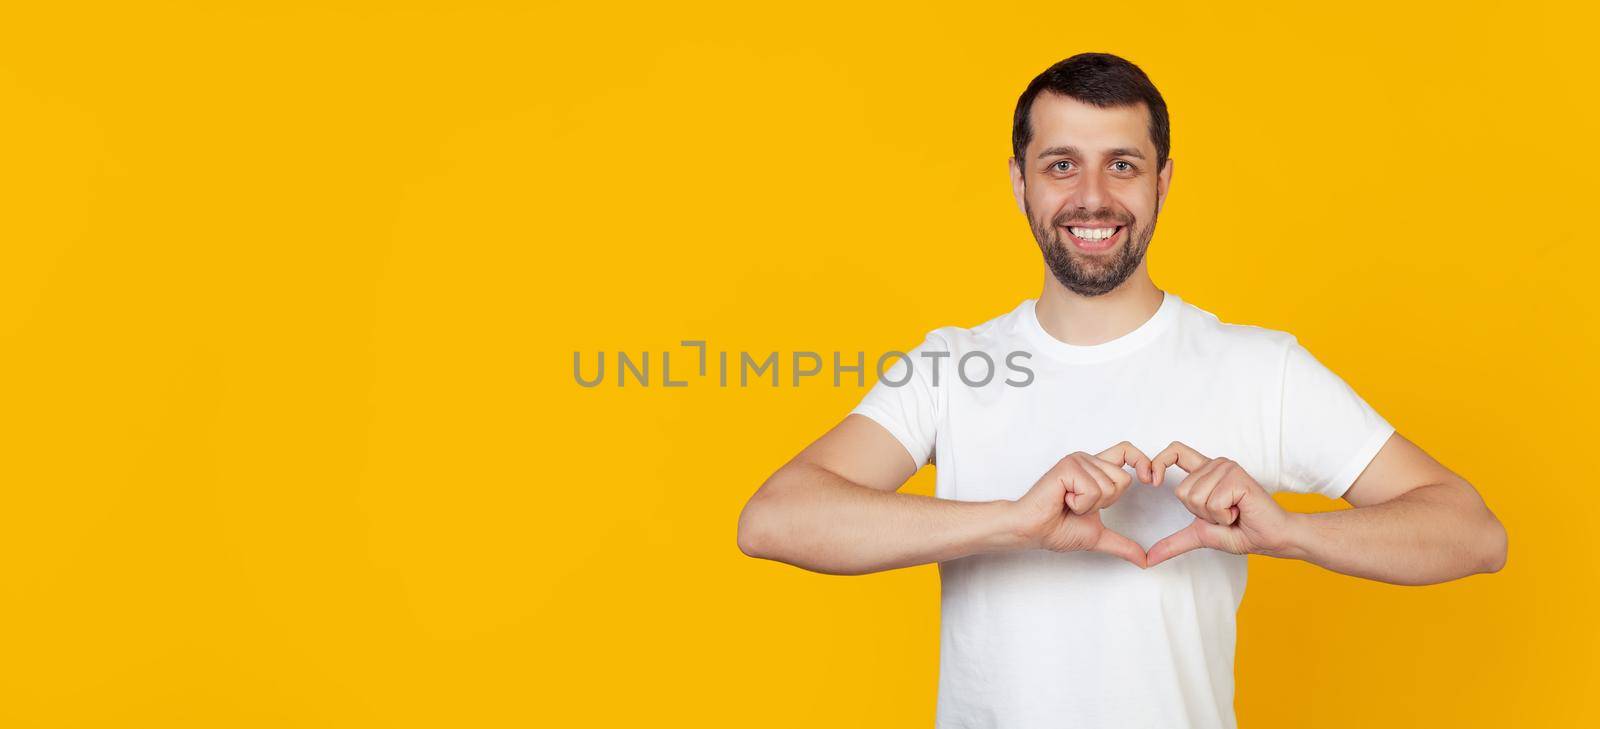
column 1102, row 80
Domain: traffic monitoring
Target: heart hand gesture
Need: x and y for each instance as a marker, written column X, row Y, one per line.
column 1233, row 513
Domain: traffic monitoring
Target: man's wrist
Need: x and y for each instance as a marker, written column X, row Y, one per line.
column 1299, row 538
column 1004, row 531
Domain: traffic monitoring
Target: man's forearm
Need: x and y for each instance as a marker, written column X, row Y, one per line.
column 811, row 517
column 1433, row 533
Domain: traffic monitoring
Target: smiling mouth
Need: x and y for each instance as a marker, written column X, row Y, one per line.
column 1093, row 238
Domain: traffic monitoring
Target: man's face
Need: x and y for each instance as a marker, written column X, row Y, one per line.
column 1089, row 173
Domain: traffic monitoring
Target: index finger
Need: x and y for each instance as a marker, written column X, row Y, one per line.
column 1182, row 455
column 1123, row 454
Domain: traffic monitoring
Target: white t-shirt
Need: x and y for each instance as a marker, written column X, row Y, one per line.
column 1035, row 639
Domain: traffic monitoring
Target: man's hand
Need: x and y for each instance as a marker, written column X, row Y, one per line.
column 1233, row 513
column 1061, row 511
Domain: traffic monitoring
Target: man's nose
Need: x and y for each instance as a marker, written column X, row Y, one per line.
column 1090, row 193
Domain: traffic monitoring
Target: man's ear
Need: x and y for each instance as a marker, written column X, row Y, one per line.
column 1163, row 184
column 1019, row 188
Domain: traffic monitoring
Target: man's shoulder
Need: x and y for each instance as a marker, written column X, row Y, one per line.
column 997, row 329
column 1236, row 337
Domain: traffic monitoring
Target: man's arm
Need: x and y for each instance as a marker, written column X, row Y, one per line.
column 835, row 508
column 1415, row 522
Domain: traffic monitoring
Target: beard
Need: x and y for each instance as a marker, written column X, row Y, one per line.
column 1091, row 274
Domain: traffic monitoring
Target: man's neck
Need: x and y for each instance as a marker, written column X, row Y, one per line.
column 1090, row 320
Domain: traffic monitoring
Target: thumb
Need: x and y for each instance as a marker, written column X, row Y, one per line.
column 1117, row 545
column 1187, row 539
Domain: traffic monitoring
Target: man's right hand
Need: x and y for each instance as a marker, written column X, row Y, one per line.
column 1061, row 511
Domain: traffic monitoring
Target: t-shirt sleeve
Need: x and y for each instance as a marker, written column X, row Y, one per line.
column 905, row 399
column 1328, row 433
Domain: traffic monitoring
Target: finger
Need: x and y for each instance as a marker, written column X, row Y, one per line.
column 1125, row 454
column 1198, row 494
column 1113, row 543
column 1116, row 461
column 1222, row 501
column 1187, row 485
column 1184, row 540
column 1082, row 489
column 1070, row 495
column 1101, row 481
column 1120, row 480
column 1181, row 455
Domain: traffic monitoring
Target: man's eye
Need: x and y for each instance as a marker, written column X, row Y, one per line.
column 1127, row 167
column 1057, row 166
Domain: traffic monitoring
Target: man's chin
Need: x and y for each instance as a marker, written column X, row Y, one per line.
column 1105, row 260
column 1090, row 275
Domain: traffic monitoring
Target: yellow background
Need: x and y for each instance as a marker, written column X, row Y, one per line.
column 290, row 293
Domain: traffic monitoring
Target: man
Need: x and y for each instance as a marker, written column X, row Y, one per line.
column 1070, row 596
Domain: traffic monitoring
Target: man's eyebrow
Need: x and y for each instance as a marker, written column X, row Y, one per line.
column 1072, row 151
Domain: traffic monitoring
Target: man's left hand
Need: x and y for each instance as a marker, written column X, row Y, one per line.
column 1233, row 513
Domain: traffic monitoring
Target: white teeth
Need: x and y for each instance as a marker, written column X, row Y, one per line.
column 1092, row 233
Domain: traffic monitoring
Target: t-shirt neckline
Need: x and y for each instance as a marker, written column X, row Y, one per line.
column 1080, row 353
